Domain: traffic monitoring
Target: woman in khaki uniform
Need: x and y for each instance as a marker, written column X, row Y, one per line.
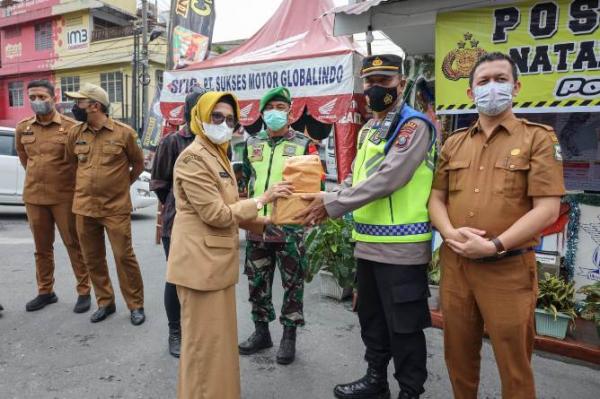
column 204, row 253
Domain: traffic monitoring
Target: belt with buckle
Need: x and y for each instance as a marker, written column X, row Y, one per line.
column 512, row 252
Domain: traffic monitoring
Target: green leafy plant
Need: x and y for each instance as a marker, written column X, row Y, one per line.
column 330, row 247
column 591, row 303
column 434, row 270
column 556, row 296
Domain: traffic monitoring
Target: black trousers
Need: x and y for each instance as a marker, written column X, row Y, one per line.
column 393, row 311
column 172, row 305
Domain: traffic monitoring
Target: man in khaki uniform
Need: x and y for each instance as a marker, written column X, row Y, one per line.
column 48, row 193
column 498, row 185
column 104, row 151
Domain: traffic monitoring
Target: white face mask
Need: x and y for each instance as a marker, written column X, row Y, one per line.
column 218, row 134
column 493, row 98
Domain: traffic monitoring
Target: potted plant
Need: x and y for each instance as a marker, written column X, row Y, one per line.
column 433, row 275
column 591, row 304
column 555, row 306
column 330, row 254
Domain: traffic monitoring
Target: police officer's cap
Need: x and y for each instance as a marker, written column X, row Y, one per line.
column 383, row 64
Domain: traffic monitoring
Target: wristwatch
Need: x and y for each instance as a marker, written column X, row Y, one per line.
column 500, row 250
column 259, row 204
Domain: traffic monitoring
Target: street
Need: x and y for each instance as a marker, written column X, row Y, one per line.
column 55, row 353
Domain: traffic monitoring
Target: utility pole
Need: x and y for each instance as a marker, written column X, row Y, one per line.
column 170, row 24
column 135, row 79
column 145, row 79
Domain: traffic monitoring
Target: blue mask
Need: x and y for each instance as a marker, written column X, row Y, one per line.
column 275, row 119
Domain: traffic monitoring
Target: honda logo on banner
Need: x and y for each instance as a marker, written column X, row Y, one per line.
column 244, row 112
column 326, row 108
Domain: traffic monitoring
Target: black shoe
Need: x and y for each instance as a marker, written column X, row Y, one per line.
column 407, row 395
column 102, row 313
column 175, row 341
column 84, row 302
column 373, row 385
column 137, row 316
column 40, row 302
column 260, row 339
column 287, row 349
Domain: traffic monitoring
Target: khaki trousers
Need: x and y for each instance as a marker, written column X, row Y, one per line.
column 42, row 219
column 91, row 237
column 501, row 297
column 209, row 366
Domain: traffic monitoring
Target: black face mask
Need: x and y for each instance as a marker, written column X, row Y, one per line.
column 79, row 113
column 381, row 98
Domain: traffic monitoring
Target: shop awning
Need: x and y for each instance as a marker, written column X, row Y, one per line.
column 408, row 23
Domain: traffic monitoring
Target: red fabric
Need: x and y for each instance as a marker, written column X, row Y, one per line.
column 346, row 132
column 561, row 222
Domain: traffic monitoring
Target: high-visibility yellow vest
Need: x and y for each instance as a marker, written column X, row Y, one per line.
column 401, row 217
column 267, row 159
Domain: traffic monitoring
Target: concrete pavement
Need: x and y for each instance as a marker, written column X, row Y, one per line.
column 55, row 353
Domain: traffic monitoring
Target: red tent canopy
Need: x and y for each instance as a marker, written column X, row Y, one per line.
column 293, row 49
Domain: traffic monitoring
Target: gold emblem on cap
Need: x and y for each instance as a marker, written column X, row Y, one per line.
column 377, row 62
column 515, row 151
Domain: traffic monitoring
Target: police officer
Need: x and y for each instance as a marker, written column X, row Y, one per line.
column 283, row 246
column 387, row 193
column 48, row 193
column 162, row 184
column 498, row 185
column 105, row 150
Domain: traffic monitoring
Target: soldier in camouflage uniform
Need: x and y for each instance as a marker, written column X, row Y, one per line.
column 281, row 246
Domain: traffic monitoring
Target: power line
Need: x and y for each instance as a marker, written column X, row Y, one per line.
column 59, row 57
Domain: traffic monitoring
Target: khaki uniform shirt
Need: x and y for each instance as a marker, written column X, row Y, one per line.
column 205, row 244
column 49, row 178
column 103, row 160
column 394, row 172
column 491, row 182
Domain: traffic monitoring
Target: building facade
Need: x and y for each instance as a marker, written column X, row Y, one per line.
column 72, row 42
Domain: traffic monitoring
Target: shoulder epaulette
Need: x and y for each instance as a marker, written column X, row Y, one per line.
column 116, row 122
column 461, row 130
column 69, row 119
column 25, row 120
column 546, row 127
column 301, row 136
column 253, row 140
column 190, row 157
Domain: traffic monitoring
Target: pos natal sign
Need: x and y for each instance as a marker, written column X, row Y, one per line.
column 555, row 44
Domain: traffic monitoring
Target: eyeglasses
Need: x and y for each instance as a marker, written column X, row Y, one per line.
column 218, row 118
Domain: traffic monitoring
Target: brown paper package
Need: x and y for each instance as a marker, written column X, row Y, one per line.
column 304, row 172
